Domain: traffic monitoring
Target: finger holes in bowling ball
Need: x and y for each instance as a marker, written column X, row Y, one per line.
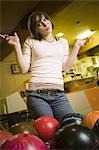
column 71, row 118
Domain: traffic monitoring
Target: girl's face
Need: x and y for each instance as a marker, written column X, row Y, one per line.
column 44, row 26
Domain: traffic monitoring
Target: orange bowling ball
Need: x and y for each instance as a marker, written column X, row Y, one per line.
column 91, row 118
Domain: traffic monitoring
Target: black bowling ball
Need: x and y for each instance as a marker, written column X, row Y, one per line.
column 73, row 137
column 96, row 128
column 96, row 131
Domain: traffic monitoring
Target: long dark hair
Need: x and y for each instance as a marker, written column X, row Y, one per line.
column 32, row 23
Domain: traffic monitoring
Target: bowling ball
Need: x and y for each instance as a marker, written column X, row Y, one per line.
column 96, row 131
column 91, row 118
column 46, row 126
column 73, row 118
column 96, row 128
column 4, row 136
column 73, row 137
column 23, row 127
column 24, row 142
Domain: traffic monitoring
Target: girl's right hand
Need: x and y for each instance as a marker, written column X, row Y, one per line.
column 13, row 40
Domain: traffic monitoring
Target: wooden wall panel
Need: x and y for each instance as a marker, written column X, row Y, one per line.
column 93, row 97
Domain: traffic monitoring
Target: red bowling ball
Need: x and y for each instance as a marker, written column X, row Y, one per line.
column 4, row 136
column 24, row 142
column 46, row 126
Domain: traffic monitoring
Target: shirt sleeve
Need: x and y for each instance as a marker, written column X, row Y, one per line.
column 27, row 50
column 66, row 52
column 65, row 47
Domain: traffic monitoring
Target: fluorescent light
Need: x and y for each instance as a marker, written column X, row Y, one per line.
column 59, row 34
column 85, row 34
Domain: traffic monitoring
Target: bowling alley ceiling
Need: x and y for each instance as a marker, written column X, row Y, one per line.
column 70, row 17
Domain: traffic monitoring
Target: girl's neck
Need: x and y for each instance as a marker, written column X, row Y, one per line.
column 49, row 38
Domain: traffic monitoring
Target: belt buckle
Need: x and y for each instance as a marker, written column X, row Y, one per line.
column 38, row 91
column 49, row 92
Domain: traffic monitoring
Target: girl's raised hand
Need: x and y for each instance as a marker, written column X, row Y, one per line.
column 82, row 42
column 13, row 39
column 3, row 36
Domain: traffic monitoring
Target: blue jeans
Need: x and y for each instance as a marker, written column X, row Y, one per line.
column 52, row 103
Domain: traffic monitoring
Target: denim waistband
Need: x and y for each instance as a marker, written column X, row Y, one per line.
column 46, row 91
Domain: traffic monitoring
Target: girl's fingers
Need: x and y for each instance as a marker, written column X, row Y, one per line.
column 15, row 33
column 88, row 40
column 3, row 36
column 85, row 42
column 16, row 37
column 11, row 39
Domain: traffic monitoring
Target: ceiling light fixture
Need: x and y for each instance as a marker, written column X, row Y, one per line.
column 59, row 34
column 85, row 34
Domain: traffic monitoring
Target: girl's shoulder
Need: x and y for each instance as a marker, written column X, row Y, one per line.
column 63, row 40
column 29, row 41
column 29, row 38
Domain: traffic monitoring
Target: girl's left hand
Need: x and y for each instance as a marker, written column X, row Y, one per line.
column 82, row 42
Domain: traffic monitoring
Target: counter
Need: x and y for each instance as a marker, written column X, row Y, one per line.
column 79, row 84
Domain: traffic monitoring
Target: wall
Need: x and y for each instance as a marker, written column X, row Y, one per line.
column 84, row 101
column 0, row 79
column 79, row 102
column 11, row 82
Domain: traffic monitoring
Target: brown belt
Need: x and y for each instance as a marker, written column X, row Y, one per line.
column 46, row 91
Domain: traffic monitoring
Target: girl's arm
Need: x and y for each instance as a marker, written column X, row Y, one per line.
column 23, row 62
column 69, row 60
